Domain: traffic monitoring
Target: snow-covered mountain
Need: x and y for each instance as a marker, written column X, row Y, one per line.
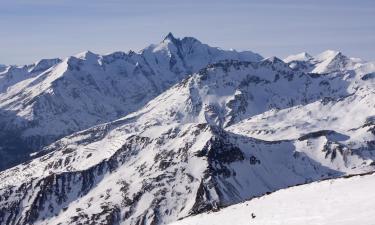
column 52, row 98
column 326, row 62
column 230, row 132
column 344, row 201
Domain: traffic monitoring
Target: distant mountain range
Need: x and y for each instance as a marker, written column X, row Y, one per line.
column 178, row 129
column 52, row 98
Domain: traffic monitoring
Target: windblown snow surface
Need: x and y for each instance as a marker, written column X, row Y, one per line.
column 188, row 129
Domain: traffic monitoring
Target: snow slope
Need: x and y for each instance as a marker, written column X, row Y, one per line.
column 344, row 201
column 189, row 150
column 50, row 99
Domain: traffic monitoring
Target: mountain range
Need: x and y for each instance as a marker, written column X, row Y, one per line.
column 177, row 129
column 52, row 98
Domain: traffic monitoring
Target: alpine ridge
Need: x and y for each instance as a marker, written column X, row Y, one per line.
column 52, row 98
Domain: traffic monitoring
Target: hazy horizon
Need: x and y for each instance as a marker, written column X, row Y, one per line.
column 41, row 29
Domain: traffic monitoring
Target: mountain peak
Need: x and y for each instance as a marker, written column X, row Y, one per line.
column 329, row 61
column 86, row 54
column 327, row 55
column 273, row 59
column 303, row 56
column 170, row 37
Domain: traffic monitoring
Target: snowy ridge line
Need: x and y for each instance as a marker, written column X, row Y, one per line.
column 55, row 98
column 297, row 185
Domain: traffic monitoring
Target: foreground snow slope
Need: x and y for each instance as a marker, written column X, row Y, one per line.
column 189, row 150
column 344, row 201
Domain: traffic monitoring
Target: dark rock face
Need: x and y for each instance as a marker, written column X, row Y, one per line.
column 220, row 153
column 219, row 150
column 332, row 149
column 368, row 76
column 202, row 201
column 316, row 134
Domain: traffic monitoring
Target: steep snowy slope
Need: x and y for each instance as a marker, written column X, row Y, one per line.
column 52, row 98
column 344, row 201
column 187, row 151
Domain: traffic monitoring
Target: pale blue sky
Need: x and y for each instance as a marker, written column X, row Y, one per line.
column 34, row 29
